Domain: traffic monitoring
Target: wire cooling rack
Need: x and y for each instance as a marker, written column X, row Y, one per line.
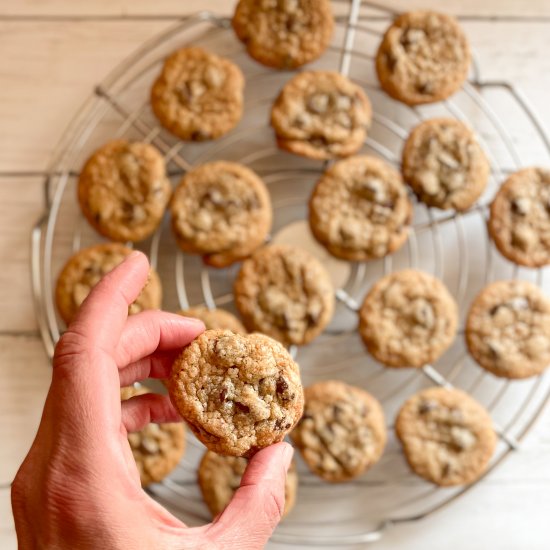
column 454, row 247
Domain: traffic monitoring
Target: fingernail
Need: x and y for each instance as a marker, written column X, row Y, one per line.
column 134, row 254
column 288, row 453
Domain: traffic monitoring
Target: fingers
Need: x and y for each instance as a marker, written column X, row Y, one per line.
column 140, row 410
column 258, row 504
column 158, row 365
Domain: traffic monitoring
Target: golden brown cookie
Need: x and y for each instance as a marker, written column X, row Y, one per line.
column 447, row 436
column 285, row 292
column 237, row 393
column 360, row 210
column 342, row 432
column 321, row 115
column 157, row 448
column 123, row 190
column 519, row 222
column 86, row 268
column 221, row 210
column 198, row 95
column 220, row 477
column 215, row 319
column 284, row 34
column 424, row 57
column 408, row 319
column 444, row 164
column 508, row 329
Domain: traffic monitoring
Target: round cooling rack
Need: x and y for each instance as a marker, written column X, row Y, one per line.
column 455, row 248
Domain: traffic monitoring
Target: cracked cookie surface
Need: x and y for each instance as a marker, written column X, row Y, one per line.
column 408, row 319
column 221, row 210
column 237, row 393
column 342, row 432
column 285, row 292
column 157, row 448
column 284, row 34
column 220, row 476
column 519, row 221
column 424, row 57
column 198, row 95
column 508, row 329
column 444, row 164
column 360, row 210
column 321, row 115
column 215, row 319
column 86, row 268
column 123, row 190
column 447, row 436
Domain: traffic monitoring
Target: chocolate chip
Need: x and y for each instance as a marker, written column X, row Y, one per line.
column 446, row 470
column 200, row 135
column 281, row 385
column 426, row 407
column 223, row 395
column 280, row 424
column 241, row 407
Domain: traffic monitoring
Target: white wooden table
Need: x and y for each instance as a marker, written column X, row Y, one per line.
column 53, row 51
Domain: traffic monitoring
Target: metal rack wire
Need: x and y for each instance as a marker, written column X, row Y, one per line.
column 453, row 247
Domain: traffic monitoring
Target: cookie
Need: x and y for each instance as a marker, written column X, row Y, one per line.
column 321, row 115
column 447, row 436
column 198, row 96
column 408, row 319
column 237, row 393
column 342, row 432
column 508, row 329
column 221, row 210
column 519, row 221
column 157, row 448
column 360, row 210
column 423, row 57
column 285, row 292
column 220, row 476
column 123, row 190
column 444, row 164
column 85, row 269
column 215, row 319
column 284, row 34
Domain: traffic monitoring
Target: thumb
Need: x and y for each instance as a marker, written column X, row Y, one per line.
column 258, row 503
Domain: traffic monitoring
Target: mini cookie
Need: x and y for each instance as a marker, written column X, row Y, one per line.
column 220, row 476
column 447, row 436
column 284, row 34
column 157, row 448
column 408, row 319
column 85, row 269
column 424, row 57
column 215, row 319
column 444, row 164
column 222, row 210
column 342, row 432
column 360, row 209
column 508, row 329
column 520, row 218
column 123, row 190
column 321, row 115
column 198, row 95
column 285, row 292
column 237, row 393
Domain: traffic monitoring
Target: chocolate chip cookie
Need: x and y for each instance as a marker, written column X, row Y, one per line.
column 519, row 222
column 321, row 115
column 444, row 164
column 508, row 329
column 284, row 34
column 157, row 448
column 198, row 95
column 85, row 269
column 221, row 210
column 285, row 292
column 123, row 190
column 342, row 432
column 424, row 57
column 237, row 393
column 220, row 476
column 408, row 319
column 215, row 319
column 447, row 436
column 360, row 210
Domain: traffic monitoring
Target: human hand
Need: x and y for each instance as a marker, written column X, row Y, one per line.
column 79, row 486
